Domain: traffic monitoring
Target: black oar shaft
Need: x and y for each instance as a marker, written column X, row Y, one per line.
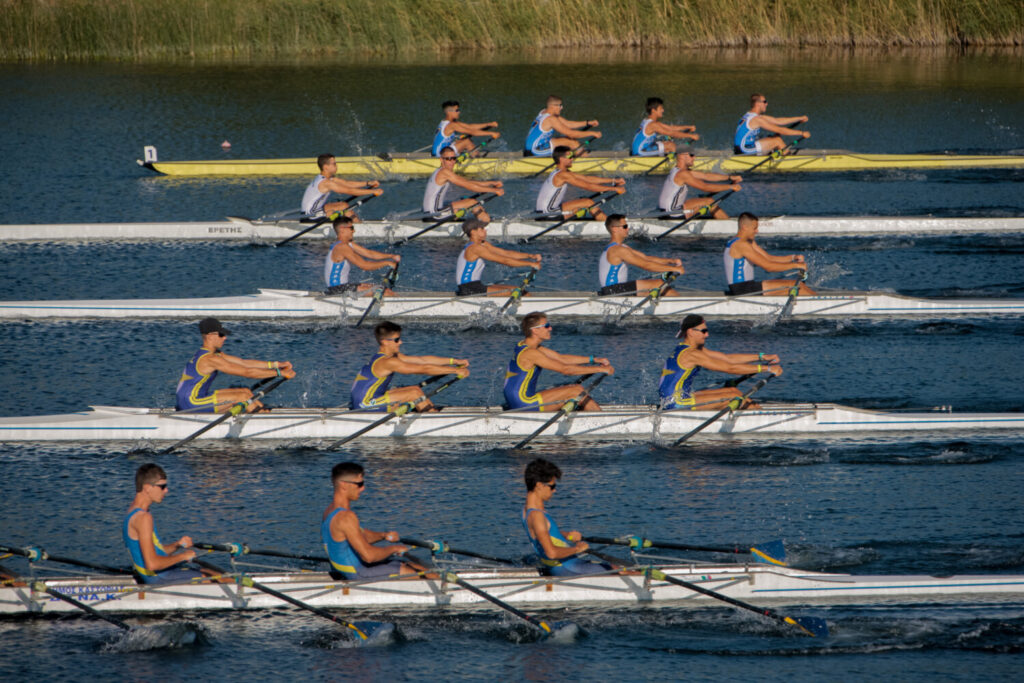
column 454, row 578
column 519, row 291
column 653, row 295
column 378, row 294
column 565, row 409
column 647, row 543
column 734, row 404
column 38, row 554
column 244, row 549
column 598, row 200
column 443, row 547
column 42, row 587
column 480, row 198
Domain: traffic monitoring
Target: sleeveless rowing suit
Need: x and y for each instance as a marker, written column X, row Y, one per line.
column 143, row 575
column 434, row 197
column 737, row 270
column 607, row 274
column 370, row 390
column 194, row 392
column 521, row 385
column 346, row 563
column 745, row 140
column 550, row 197
column 336, row 272
column 673, row 197
column 467, row 275
column 644, row 144
column 442, row 140
column 538, row 141
column 313, row 199
column 568, row 566
column 676, row 385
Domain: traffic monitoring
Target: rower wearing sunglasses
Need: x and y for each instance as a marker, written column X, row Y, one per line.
column 613, row 265
column 195, row 393
column 691, row 354
column 531, row 356
column 436, row 203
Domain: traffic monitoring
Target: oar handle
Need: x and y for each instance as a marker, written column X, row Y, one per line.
column 235, row 549
column 733, row 404
column 440, row 547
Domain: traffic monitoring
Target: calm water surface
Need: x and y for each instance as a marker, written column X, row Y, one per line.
column 934, row 504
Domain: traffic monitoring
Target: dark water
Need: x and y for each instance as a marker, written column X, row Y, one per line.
column 900, row 504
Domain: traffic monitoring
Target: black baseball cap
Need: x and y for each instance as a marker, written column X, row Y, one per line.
column 211, row 325
column 692, row 320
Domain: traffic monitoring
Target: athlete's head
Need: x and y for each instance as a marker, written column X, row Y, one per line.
column 323, row 160
column 448, row 155
column 561, row 152
column 471, row 224
column 350, row 472
column 532, row 321
column 342, row 221
column 747, row 221
column 147, row 475
column 212, row 326
column 653, row 103
column 758, row 100
column 386, row 329
column 541, row 471
column 448, row 105
column 615, row 220
column 554, row 100
column 688, row 323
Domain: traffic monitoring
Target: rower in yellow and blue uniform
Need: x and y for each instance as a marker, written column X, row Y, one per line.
column 370, row 390
column 521, row 384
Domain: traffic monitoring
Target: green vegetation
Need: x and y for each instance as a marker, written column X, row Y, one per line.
column 154, row 29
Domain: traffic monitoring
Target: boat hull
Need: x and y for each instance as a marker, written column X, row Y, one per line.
column 759, row 583
column 112, row 423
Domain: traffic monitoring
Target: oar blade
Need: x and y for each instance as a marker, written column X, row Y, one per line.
column 377, row 634
column 170, row 636
column 812, row 626
column 772, row 552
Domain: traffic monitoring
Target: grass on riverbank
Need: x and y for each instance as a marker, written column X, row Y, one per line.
column 146, row 29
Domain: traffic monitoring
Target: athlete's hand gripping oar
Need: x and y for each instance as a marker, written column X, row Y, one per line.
column 234, row 411
column 364, row 630
column 699, row 213
column 398, row 412
column 463, row 156
column 519, row 291
column 671, row 156
column 775, row 154
column 389, row 281
column 583, row 145
column 480, row 197
column 772, row 552
column 324, row 219
column 733, row 404
column 35, row 554
column 601, row 198
column 565, row 409
column 653, row 295
column 439, row 547
column 237, row 549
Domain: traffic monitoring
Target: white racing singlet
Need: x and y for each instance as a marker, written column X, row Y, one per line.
column 673, row 197
column 736, row 269
column 549, row 199
column 336, row 272
column 607, row 274
column 313, row 199
column 434, row 197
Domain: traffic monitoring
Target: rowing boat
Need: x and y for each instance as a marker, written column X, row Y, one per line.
column 500, row 164
column 109, row 423
column 300, row 304
column 766, row 584
column 236, row 228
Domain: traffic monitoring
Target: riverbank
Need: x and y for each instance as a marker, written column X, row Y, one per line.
column 156, row 29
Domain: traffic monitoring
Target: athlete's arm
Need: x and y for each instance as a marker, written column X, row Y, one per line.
column 253, row 369
column 370, row 253
column 720, row 362
column 787, row 261
column 350, row 253
column 348, row 524
column 541, row 531
column 566, row 363
column 475, row 128
column 426, row 365
column 696, row 181
column 494, row 186
column 593, row 183
column 641, row 260
column 489, row 252
column 142, row 524
column 778, row 126
column 759, row 257
column 673, row 131
column 569, row 128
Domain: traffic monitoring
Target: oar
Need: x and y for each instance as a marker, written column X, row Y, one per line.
column 787, row 307
column 35, row 554
column 653, row 295
column 389, row 281
column 699, row 213
column 234, row 411
column 545, row 628
column 566, row 408
column 519, row 291
column 585, row 143
column 465, row 155
column 734, row 404
column 324, row 219
column 237, row 549
column 480, row 197
column 245, row 580
column 608, row 194
column 401, row 410
column 438, row 547
column 773, row 552
column 40, row 586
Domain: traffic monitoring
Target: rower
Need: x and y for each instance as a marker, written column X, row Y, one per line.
column 752, row 133
column 645, row 140
column 370, row 388
column 458, row 135
column 690, row 355
column 550, row 199
column 314, row 201
column 559, row 553
column 541, row 140
column 152, row 560
column 613, row 271
column 742, row 253
column 531, row 356
column 435, row 202
column 350, row 548
column 344, row 253
column 682, row 177
column 477, row 253
column 194, row 393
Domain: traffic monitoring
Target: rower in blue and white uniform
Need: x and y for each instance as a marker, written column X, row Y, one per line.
column 674, row 199
column 351, row 549
column 314, row 199
column 435, row 198
column 742, row 253
column 613, row 271
column 758, row 133
column 474, row 256
column 654, row 137
column 541, row 140
column 452, row 132
column 676, row 387
column 344, row 252
column 559, row 553
column 551, row 201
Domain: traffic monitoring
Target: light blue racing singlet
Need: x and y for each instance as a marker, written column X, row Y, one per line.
column 441, row 140
column 194, row 392
column 370, row 390
column 607, row 274
column 336, row 272
column 340, row 553
column 521, row 385
column 745, row 140
column 135, row 550
column 468, row 271
column 538, row 142
column 567, row 566
column 736, row 269
column 645, row 145
column 676, row 385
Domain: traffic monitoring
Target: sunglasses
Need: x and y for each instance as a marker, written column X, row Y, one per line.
column 553, row 485
column 161, row 486
column 547, row 325
column 360, row 484
column 448, row 158
column 702, row 330
column 397, row 340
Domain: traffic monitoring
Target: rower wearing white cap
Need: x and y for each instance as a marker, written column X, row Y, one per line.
column 477, row 253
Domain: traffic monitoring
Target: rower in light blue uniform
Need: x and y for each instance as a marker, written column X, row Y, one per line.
column 559, row 553
column 541, row 140
column 758, row 133
column 654, row 137
column 452, row 132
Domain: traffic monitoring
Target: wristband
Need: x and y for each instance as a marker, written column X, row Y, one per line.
column 591, row 359
column 278, row 371
column 270, row 365
column 451, row 361
column 759, row 367
column 760, row 356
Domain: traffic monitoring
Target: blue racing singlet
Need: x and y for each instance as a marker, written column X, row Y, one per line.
column 736, row 269
column 608, row 274
column 370, row 390
column 567, row 566
column 538, row 142
column 676, row 385
column 336, row 272
column 135, row 550
column 520, row 384
column 645, row 145
column 745, row 140
column 340, row 553
column 441, row 140
column 194, row 392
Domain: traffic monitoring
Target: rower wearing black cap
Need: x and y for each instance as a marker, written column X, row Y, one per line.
column 691, row 354
column 195, row 393
column 475, row 255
